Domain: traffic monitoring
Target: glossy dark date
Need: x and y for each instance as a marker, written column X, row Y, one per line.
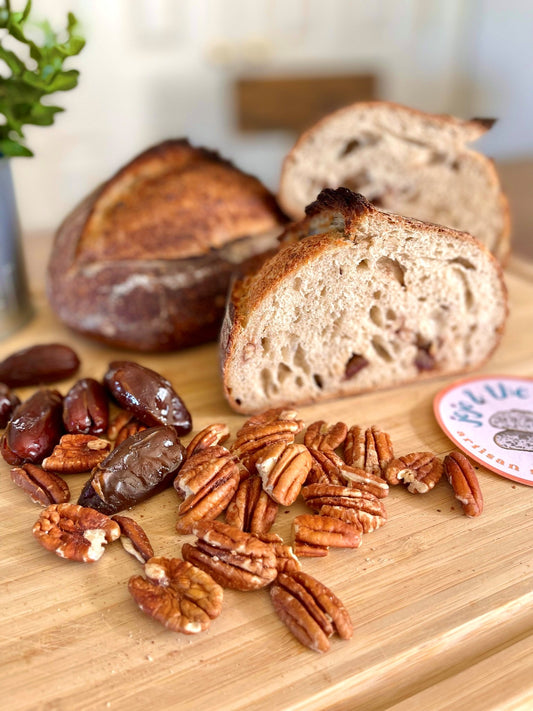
column 8, row 402
column 85, row 408
column 34, row 429
column 40, row 364
column 148, row 395
column 143, row 465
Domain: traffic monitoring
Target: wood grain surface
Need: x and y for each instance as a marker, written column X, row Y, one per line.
column 442, row 605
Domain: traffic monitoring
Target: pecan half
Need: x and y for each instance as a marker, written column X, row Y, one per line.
column 42, row 487
column 419, row 471
column 75, row 532
column 286, row 560
column 370, row 510
column 463, row 479
column 283, row 469
column 117, row 423
column 208, row 437
column 130, row 428
column 310, row 610
column 320, row 435
column 177, row 594
column 77, row 453
column 251, row 508
column 325, row 532
column 133, row 538
column 208, row 480
column 275, row 414
column 252, row 440
column 369, row 449
column 361, row 479
column 326, row 468
column 234, row 559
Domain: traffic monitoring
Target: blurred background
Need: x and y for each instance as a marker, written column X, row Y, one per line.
column 246, row 76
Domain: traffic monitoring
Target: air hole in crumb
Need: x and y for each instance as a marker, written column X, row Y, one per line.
column 318, row 381
column 283, row 372
column 393, row 268
column 300, row 360
column 463, row 262
column 376, row 316
column 341, row 271
column 299, row 381
column 376, row 295
column 455, row 165
column 238, row 401
column 380, row 349
column 355, row 364
column 297, row 284
column 363, row 265
column 265, row 344
column 391, row 314
column 350, row 147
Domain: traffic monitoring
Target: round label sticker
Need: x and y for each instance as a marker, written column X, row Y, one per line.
column 491, row 419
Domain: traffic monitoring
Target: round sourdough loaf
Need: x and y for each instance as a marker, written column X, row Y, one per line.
column 359, row 299
column 144, row 262
column 403, row 160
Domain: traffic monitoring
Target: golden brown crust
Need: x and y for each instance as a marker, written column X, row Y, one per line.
column 143, row 261
column 300, row 247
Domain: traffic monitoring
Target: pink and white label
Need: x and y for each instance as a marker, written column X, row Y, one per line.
column 491, row 419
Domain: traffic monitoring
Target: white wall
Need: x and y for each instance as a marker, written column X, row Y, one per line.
column 154, row 69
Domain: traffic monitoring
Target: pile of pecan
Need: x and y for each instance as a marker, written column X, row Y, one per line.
column 229, row 492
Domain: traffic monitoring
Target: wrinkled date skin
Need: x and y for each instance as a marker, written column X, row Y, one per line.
column 40, row 364
column 85, row 408
column 148, row 395
column 143, row 465
column 8, row 403
column 34, row 429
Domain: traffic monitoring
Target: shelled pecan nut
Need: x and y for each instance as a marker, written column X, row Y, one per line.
column 133, row 538
column 75, row 532
column 116, row 423
column 251, row 441
column 369, row 449
column 86, row 408
column 283, row 469
column 208, row 480
column 325, row 532
column 319, row 435
column 370, row 510
column 208, row 437
column 39, row 364
column 419, row 471
column 326, row 468
column 286, row 559
column 267, row 417
column 234, row 558
column 310, row 610
column 463, row 479
column 344, row 513
column 177, row 594
column 43, row 487
column 130, row 428
column 363, row 480
column 251, row 508
column 77, row 453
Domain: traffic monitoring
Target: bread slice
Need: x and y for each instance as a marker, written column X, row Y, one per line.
column 144, row 262
column 406, row 161
column 359, row 299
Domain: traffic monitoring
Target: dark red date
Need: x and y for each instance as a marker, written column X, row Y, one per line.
column 85, row 408
column 36, row 365
column 34, row 429
column 8, row 402
column 148, row 395
column 140, row 467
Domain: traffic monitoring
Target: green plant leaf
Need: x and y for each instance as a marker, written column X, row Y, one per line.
column 10, row 148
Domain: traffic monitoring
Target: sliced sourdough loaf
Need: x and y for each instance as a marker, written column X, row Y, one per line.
column 359, row 299
column 403, row 160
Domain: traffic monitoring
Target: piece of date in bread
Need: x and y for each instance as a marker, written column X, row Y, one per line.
column 359, row 299
column 144, row 262
column 406, row 161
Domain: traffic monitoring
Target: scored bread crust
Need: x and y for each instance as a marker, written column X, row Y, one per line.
column 145, row 260
column 404, row 160
column 353, row 281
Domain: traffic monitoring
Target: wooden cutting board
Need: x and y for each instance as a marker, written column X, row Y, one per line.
column 442, row 605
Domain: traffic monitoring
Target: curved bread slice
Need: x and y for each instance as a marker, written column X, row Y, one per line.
column 144, row 262
column 406, row 161
column 359, row 299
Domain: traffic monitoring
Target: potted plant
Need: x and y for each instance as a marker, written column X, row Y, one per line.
column 30, row 70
